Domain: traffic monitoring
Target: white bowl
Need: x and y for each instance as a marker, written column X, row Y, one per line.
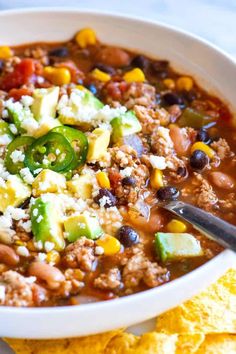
column 214, row 70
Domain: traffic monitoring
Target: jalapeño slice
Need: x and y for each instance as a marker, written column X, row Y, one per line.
column 51, row 151
column 20, row 143
column 78, row 141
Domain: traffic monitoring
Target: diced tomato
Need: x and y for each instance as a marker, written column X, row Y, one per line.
column 115, row 178
column 21, row 75
column 18, row 93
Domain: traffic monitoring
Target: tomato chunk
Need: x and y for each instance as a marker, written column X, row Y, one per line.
column 21, row 75
column 18, row 93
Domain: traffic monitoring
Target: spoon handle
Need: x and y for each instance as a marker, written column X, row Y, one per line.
column 208, row 224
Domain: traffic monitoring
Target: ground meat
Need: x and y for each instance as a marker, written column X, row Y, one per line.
column 151, row 118
column 123, row 156
column 80, row 254
column 138, row 268
column 161, row 142
column 222, row 149
column 205, row 195
column 39, row 54
column 108, row 281
column 20, row 291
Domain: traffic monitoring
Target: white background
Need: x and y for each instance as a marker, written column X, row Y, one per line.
column 214, row 20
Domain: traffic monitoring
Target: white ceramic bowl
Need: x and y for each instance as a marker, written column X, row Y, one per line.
column 214, row 70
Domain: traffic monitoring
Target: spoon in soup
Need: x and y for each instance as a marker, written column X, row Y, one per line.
column 211, row 226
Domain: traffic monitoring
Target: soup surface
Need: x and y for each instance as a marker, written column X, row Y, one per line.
column 92, row 139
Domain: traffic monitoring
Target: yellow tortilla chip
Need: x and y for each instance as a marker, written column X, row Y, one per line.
column 212, row 311
column 189, row 343
column 218, row 344
column 85, row 345
column 148, row 343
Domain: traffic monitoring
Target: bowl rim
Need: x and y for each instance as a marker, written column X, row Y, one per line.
column 228, row 255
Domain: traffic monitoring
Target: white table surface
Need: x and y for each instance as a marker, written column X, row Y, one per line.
column 214, row 20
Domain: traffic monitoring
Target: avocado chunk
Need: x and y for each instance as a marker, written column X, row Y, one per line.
column 13, row 192
column 80, row 109
column 174, row 246
column 81, row 186
column 6, row 135
column 48, row 181
column 124, row 125
column 98, row 142
column 77, row 226
column 46, row 221
column 45, row 102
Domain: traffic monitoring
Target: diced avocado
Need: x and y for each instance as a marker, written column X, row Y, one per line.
column 48, row 181
column 17, row 116
column 98, row 141
column 81, row 186
column 45, row 102
column 124, row 125
column 45, row 126
column 13, row 193
column 77, row 226
column 81, row 106
column 6, row 135
column 173, row 246
column 46, row 221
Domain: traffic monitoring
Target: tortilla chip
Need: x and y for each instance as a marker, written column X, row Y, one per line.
column 85, row 345
column 148, row 343
column 212, row 311
column 189, row 343
column 218, row 344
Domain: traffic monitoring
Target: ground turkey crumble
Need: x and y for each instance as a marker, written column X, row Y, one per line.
column 205, row 195
column 80, row 254
column 20, row 291
column 222, row 149
column 108, row 281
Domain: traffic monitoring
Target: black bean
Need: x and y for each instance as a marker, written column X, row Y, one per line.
column 127, row 236
column 160, row 68
column 189, row 96
column 198, row 160
column 140, row 61
column 92, row 88
column 203, row 136
column 182, row 171
column 167, row 193
column 105, row 198
column 171, row 98
column 128, row 181
column 103, row 67
column 25, row 204
column 61, row 52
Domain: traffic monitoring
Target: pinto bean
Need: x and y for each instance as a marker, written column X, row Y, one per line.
column 8, row 255
column 222, row 180
column 180, row 140
column 153, row 224
column 43, row 271
column 112, row 56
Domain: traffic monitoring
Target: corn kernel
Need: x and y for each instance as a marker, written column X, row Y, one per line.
column 103, row 180
column 57, row 76
column 156, row 179
column 31, row 246
column 203, row 147
column 169, row 83
column 110, row 244
column 86, row 37
column 100, row 75
column 176, row 226
column 53, row 257
column 20, row 243
column 5, row 52
column 82, row 88
column 184, row 83
column 135, row 75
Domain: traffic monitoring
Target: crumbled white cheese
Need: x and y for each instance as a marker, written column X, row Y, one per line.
column 27, row 101
column 4, row 174
column 35, row 212
column 99, row 250
column 26, row 225
column 5, row 139
column 13, row 128
column 17, row 156
column 39, row 219
column 38, row 245
column 37, row 171
column 126, row 172
column 30, row 280
column 16, row 213
column 48, row 246
column 22, row 251
column 41, row 256
column 5, row 113
column 158, row 162
column 27, row 175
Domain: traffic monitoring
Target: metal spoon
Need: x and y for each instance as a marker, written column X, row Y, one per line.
column 208, row 224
